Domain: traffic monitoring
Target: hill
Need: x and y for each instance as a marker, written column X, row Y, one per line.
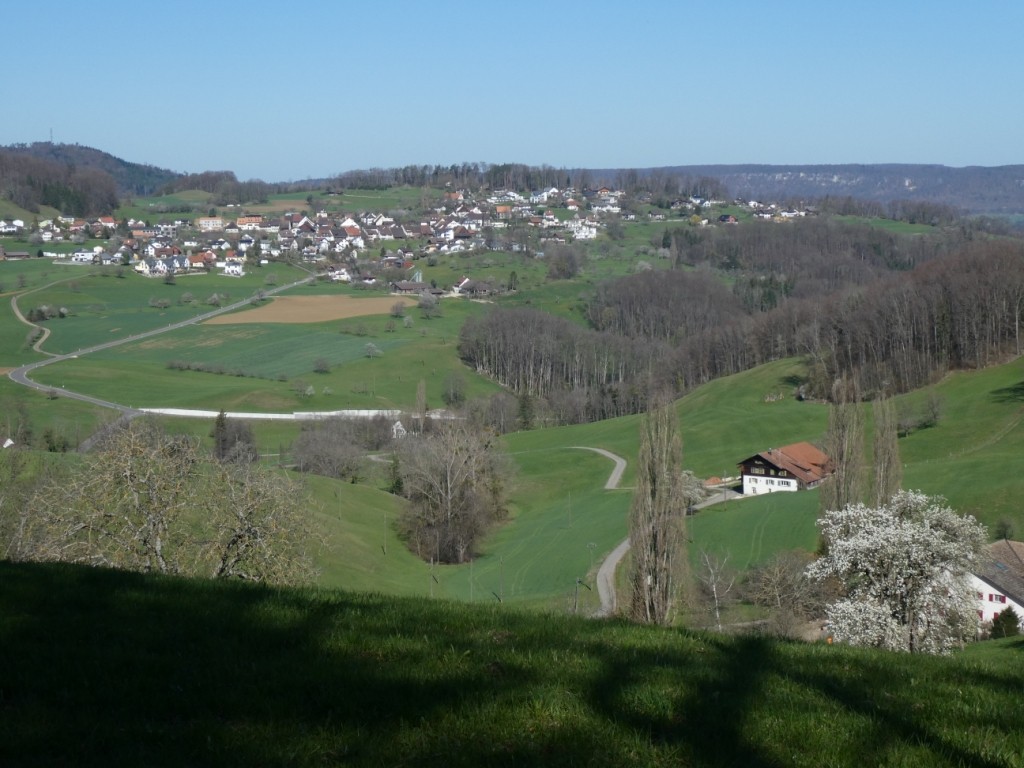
column 975, row 189
column 108, row 668
column 129, row 178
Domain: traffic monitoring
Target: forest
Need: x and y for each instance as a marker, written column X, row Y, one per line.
column 892, row 311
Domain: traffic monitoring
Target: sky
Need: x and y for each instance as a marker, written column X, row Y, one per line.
column 288, row 91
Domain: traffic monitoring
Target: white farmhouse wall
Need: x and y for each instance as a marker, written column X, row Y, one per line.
column 992, row 601
column 755, row 484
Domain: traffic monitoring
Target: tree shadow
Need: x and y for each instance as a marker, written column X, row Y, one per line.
column 1012, row 394
column 101, row 667
column 793, row 380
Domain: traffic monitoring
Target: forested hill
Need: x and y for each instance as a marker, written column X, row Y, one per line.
column 129, row 178
column 976, row 189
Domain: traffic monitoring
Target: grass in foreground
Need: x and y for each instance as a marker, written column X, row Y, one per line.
column 108, row 668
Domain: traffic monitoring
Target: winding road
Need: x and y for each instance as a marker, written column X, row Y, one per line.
column 21, row 375
column 606, row 573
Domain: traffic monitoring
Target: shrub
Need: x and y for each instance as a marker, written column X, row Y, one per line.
column 1006, row 624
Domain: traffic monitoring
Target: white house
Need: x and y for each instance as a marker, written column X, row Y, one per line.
column 791, row 468
column 1000, row 584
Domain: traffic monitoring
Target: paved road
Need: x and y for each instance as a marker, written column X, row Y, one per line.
column 606, row 573
column 21, row 375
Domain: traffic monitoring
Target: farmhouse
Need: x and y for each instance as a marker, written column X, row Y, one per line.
column 1000, row 583
column 793, row 467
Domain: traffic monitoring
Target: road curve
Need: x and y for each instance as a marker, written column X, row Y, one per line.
column 606, row 573
column 21, row 375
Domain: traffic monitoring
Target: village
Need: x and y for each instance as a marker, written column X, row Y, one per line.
column 360, row 247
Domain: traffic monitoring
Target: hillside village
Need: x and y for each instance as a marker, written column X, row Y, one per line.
column 360, row 246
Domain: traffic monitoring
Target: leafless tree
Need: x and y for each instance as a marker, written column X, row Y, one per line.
column 260, row 526
column 657, row 518
column 421, row 402
column 888, row 469
column 329, row 448
column 16, row 478
column 148, row 501
column 455, row 479
column 781, row 585
column 844, row 445
column 717, row 580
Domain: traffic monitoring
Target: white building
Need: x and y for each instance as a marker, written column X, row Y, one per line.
column 1000, row 584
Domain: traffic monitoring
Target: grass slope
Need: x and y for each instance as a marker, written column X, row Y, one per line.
column 108, row 668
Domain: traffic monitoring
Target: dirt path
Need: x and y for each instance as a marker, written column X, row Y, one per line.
column 606, row 573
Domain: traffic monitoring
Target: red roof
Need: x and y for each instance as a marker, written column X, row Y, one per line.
column 802, row 460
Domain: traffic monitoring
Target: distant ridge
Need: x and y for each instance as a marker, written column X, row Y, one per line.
column 130, row 178
column 976, row 189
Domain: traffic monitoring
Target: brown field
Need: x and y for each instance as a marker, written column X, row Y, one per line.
column 312, row 309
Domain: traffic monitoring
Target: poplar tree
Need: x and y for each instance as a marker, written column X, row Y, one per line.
column 844, row 445
column 657, row 523
column 888, row 469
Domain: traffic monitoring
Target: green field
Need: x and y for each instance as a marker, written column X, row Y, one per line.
column 104, row 307
column 263, row 362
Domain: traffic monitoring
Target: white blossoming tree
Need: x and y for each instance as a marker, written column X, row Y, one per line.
column 904, row 565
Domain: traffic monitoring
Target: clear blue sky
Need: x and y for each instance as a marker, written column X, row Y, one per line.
column 284, row 91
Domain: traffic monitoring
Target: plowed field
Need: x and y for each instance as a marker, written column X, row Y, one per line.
column 312, row 309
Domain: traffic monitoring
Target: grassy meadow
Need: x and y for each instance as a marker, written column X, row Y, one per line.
column 563, row 522
column 109, row 668
column 104, row 307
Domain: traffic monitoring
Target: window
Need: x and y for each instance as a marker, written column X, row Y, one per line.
column 757, row 470
column 996, row 598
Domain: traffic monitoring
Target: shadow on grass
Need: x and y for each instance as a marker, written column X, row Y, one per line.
column 108, row 668
column 1012, row 394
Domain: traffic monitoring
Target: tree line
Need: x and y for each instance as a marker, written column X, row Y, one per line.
column 891, row 330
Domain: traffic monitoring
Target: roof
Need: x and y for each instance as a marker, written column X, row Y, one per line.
column 802, row 460
column 1005, row 569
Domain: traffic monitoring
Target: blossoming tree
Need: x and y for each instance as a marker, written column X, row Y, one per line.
column 904, row 565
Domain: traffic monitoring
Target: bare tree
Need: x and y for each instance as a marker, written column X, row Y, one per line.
column 844, row 445
column 148, row 501
column 233, row 439
column 329, row 448
column 888, row 469
column 657, row 518
column 455, row 479
column 261, row 529
column 782, row 586
column 717, row 580
column 421, row 402
column 16, row 478
column 125, row 507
